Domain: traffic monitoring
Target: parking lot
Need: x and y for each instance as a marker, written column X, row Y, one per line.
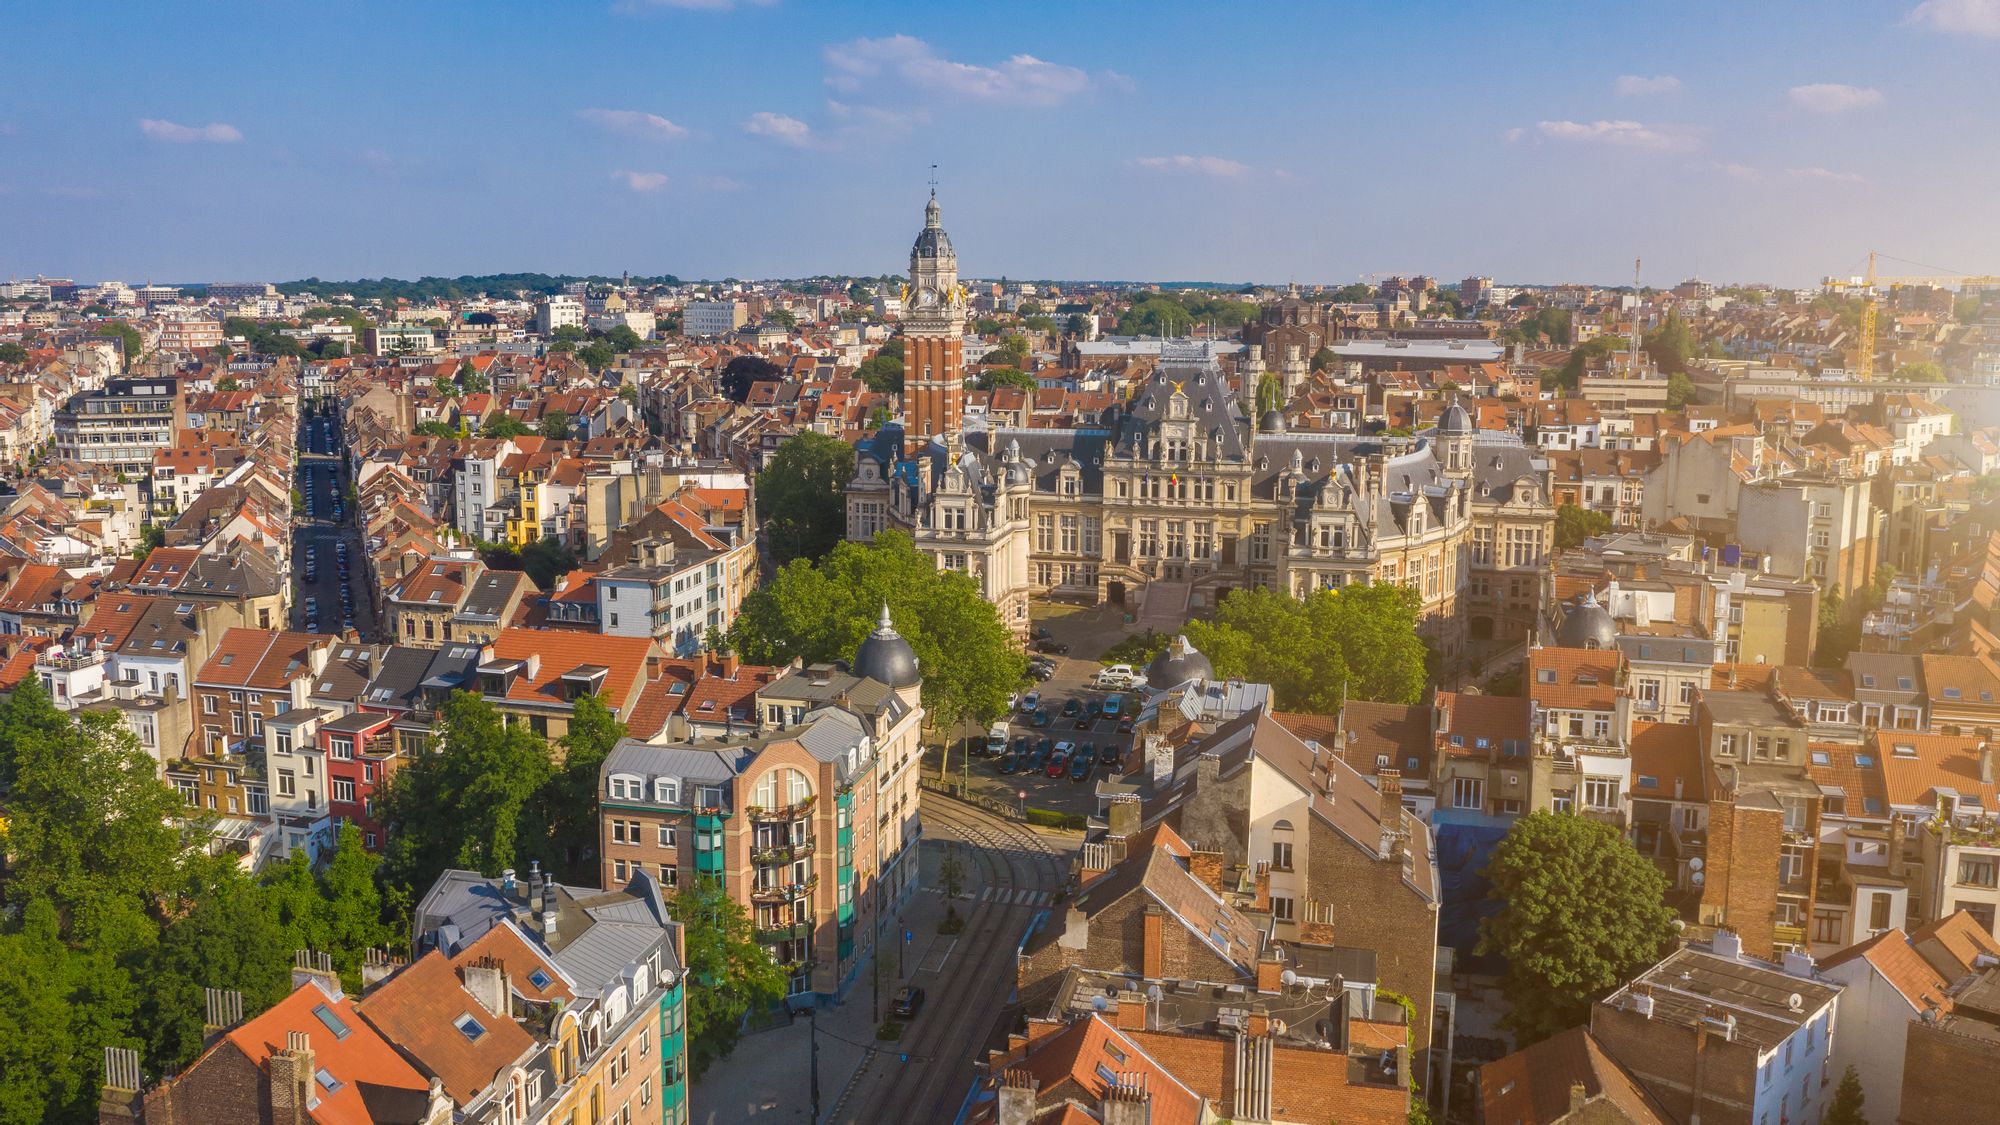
column 1085, row 634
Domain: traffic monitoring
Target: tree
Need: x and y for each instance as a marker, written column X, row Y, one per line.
column 564, row 812
column 1967, row 309
column 1670, row 345
column 469, row 380
column 1356, row 642
column 597, row 355
column 436, row 427
column 60, row 1006
column 882, row 372
column 1270, row 394
column 1581, row 912
column 555, row 424
column 1076, row 325
column 499, row 425
column 11, row 352
column 1922, row 371
column 461, row 804
column 90, row 827
column 1012, row 352
column 783, row 318
column 1839, row 626
column 128, row 339
column 1549, row 324
column 150, row 536
column 219, row 935
column 1680, row 391
column 730, row 973
column 739, row 373
column 1575, row 524
column 970, row 662
column 1353, row 294
column 1570, row 374
column 994, row 377
column 1324, row 359
column 1845, row 1109
column 546, row 561
column 800, row 496
column 623, row 338
column 352, row 921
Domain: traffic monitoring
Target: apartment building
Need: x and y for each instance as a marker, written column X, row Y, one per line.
column 806, row 814
column 451, row 599
column 671, row 594
column 536, row 676
column 1763, row 821
column 711, row 319
column 120, row 427
column 560, row 311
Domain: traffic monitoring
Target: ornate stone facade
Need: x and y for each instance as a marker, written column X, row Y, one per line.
column 933, row 333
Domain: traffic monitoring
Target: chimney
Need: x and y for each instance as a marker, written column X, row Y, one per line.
column 1131, row 1013
column 1726, row 944
column 1159, row 761
column 1579, row 1095
column 292, row 1080
column 549, row 909
column 313, row 966
column 1393, row 836
column 1152, row 942
column 1207, row 867
column 1207, row 770
column 486, row 979
column 1798, row 964
column 222, row 1009
column 1270, row 971
column 1253, row 1078
column 1017, row 1098
column 730, row 662
column 118, row 1098
column 1123, row 815
column 507, row 882
column 1125, row 1101
column 535, row 887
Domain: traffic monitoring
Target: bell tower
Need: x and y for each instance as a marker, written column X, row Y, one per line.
column 933, row 333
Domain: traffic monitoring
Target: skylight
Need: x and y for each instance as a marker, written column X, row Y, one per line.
column 540, row 979
column 471, row 1028
column 327, row 1081
column 333, row 1023
column 1865, row 761
column 1821, row 758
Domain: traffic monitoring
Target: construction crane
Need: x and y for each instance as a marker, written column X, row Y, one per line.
column 1870, row 302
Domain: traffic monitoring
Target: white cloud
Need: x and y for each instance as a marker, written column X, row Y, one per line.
column 1958, row 17
column 1827, row 174
column 1635, row 86
column 778, row 127
column 1833, row 97
column 911, row 62
column 876, row 120
column 1624, row 134
column 633, row 123
column 215, row 133
column 1742, row 172
column 1513, row 135
column 1205, row 165
column 641, row 181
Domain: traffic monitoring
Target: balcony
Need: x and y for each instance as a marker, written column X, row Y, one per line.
column 781, row 813
column 781, row 853
column 793, row 932
column 790, row 892
column 1789, row 935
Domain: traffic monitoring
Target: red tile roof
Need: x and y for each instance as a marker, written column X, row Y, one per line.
column 420, row 1010
column 1577, row 679
column 358, row 1057
column 1890, row 954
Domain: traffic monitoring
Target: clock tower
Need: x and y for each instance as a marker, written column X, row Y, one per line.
column 933, row 334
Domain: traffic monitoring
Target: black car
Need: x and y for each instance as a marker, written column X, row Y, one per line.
column 1110, row 755
column 1071, row 706
column 1008, row 764
column 1079, row 767
column 1041, row 672
column 1020, row 745
column 909, row 1001
column 1053, row 648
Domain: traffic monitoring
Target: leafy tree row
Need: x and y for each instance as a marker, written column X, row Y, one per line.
column 1357, row 642
column 456, row 288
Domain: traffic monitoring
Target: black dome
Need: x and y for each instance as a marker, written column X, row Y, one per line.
column 1273, row 422
column 932, row 242
column 886, row 657
column 1178, row 663
column 1455, row 420
column 1587, row 625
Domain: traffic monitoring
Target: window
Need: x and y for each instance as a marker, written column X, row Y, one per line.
column 471, row 1028
column 288, row 785
column 333, row 1022
column 1600, row 792
column 1281, row 908
column 1979, row 870
column 1281, row 855
column 666, row 835
column 1468, row 793
column 343, row 789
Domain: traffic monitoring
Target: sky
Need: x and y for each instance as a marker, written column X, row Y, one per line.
column 1268, row 142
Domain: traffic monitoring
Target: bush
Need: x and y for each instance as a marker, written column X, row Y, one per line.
column 1050, row 818
column 890, row 1031
column 951, row 923
column 1136, row 650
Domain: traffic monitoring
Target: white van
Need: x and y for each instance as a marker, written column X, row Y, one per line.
column 996, row 740
column 1116, row 677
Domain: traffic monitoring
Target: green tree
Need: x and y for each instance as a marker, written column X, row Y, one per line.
column 597, row 355
column 1923, row 371
column 546, row 561
column 783, row 318
column 1680, row 391
column 1967, row 309
column 469, row 380
column 731, row 974
column 741, row 372
column 623, row 338
column 1845, row 1109
column 11, row 352
column 1581, row 912
column 1270, row 394
column 461, row 804
column 1670, row 345
column 1324, row 359
column 128, row 338
column 1549, row 324
column 555, row 424
column 1356, row 642
column 150, row 536
column 1012, row 352
column 995, row 377
column 563, row 814
column 1575, row 524
column 1353, row 294
column 800, row 496
column 90, row 827
column 1839, row 626
column 219, row 934
column 882, row 372
column 970, row 662
column 1570, row 375
column 352, row 920
column 60, row 1006
column 436, row 427
column 501, row 425
column 1076, row 325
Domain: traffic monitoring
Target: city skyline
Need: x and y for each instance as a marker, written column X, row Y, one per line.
column 1311, row 144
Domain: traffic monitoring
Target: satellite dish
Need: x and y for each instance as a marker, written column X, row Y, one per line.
column 1098, row 1003
column 1695, row 864
column 1795, row 1002
column 1154, row 993
column 1289, row 978
column 1697, row 879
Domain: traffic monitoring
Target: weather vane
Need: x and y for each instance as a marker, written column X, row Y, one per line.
column 933, row 181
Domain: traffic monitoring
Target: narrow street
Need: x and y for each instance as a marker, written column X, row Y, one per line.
column 317, row 533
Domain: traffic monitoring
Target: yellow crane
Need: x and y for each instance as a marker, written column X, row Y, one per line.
column 1870, row 300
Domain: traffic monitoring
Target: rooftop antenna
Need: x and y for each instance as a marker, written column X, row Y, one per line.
column 933, row 181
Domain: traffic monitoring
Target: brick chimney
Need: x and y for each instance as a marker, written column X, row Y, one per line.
column 486, row 979
column 291, row 1073
column 1152, row 944
column 1207, row 866
column 1125, row 1101
column 1270, row 972
column 1394, row 836
column 729, row 663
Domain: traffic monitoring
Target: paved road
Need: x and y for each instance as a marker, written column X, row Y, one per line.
column 1013, row 873
column 315, row 533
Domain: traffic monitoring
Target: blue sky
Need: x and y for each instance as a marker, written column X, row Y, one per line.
column 1161, row 141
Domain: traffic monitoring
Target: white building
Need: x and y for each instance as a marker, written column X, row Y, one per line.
column 713, row 318
column 558, row 312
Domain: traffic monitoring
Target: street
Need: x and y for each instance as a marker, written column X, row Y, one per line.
column 316, row 532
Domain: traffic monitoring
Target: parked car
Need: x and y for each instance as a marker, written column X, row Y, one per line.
column 1109, row 754
column 1039, row 719
column 1031, row 701
column 1113, row 704
column 1071, row 706
column 1083, row 721
column 1042, row 672
column 1116, row 677
column 1058, row 766
column 1079, row 767
column 1043, row 749
column 1125, row 726
column 1053, row 648
column 1008, row 764
column 909, row 1001
column 1020, row 746
column 1094, row 708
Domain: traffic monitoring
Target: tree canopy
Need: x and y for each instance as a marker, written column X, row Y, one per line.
column 502, row 425
column 461, row 804
column 993, row 377
column 1581, row 912
column 1922, row 371
column 739, row 373
column 801, row 496
column 729, row 972
column 1848, row 1100
column 1575, row 524
column 1670, row 345
column 970, row 661
column 1357, row 642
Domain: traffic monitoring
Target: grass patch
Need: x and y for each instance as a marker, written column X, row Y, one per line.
column 890, row 1031
column 1050, row 818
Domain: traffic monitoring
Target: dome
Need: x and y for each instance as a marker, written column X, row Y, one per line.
column 1178, row 663
column 1455, row 420
column 932, row 242
column 1588, row 625
column 1273, row 422
column 886, row 657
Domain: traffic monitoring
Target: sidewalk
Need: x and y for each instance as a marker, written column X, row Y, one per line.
column 768, row 1078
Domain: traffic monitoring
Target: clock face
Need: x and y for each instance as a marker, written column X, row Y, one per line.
column 927, row 297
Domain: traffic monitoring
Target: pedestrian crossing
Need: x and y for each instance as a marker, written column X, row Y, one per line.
column 1017, row 896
